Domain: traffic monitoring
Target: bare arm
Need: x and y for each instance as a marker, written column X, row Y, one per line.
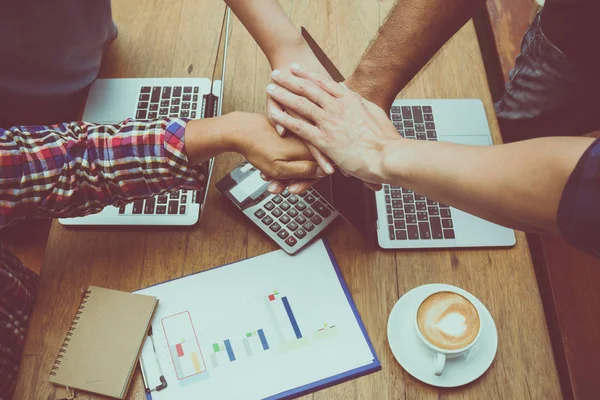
column 518, row 185
column 413, row 32
column 270, row 27
column 283, row 45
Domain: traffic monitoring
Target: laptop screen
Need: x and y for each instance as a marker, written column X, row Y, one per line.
column 350, row 197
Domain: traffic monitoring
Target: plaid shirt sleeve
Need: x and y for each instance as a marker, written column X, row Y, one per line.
column 78, row 168
column 18, row 286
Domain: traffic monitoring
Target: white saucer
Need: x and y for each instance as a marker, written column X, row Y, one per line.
column 417, row 359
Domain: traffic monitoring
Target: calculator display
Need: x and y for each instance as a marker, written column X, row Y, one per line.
column 248, row 186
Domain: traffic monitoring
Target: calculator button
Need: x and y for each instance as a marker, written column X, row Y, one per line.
column 310, row 199
column 293, row 212
column 161, row 209
column 283, row 234
column 308, row 226
column 285, row 219
column 301, row 206
column 277, row 212
column 182, row 209
column 269, row 206
column 286, row 193
column 308, row 213
column 267, row 220
column 303, row 194
column 301, row 219
column 321, row 209
column 260, row 213
column 291, row 241
column 292, row 226
column 293, row 199
column 122, row 210
column 284, row 206
column 277, row 199
column 300, row 233
column 275, row 227
column 316, row 220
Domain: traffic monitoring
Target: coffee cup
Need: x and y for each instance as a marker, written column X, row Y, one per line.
column 449, row 324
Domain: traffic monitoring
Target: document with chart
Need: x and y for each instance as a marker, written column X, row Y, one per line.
column 269, row 327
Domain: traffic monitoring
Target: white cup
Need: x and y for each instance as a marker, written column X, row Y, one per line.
column 440, row 355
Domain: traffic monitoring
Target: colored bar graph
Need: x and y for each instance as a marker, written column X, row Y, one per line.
column 263, row 339
column 229, row 349
column 183, row 345
column 247, row 346
column 290, row 313
column 214, row 360
column 196, row 362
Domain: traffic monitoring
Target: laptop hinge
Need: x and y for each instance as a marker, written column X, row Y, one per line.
column 210, row 102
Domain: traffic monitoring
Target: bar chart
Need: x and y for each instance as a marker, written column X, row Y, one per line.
column 282, row 318
column 183, row 345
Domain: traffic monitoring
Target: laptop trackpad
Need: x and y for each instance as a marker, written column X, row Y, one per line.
column 473, row 140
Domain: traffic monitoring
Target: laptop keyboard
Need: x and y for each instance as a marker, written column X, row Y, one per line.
column 173, row 203
column 159, row 102
column 410, row 215
column 169, row 101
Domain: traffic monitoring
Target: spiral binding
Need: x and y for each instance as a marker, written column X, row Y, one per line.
column 65, row 345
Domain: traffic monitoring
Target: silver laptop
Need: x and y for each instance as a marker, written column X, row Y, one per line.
column 114, row 100
column 398, row 218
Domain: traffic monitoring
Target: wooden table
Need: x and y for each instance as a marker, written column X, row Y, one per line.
column 178, row 38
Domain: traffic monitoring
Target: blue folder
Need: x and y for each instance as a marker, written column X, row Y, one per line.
column 336, row 379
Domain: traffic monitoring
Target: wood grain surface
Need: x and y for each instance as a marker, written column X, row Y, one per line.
column 166, row 38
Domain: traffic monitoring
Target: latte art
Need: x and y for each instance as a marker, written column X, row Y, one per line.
column 448, row 320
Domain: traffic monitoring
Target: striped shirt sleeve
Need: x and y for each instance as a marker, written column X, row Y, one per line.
column 78, row 168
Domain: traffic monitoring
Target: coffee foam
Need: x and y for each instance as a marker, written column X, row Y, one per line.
column 448, row 320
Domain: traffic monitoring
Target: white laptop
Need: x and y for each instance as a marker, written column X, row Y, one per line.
column 397, row 218
column 114, row 100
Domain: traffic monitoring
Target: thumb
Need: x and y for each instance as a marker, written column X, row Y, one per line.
column 271, row 106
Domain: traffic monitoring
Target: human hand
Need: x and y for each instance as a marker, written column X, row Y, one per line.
column 300, row 53
column 352, row 131
column 278, row 158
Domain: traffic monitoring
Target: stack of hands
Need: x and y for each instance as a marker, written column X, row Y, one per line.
column 339, row 127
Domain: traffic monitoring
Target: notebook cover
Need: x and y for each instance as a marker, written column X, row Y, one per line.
column 101, row 348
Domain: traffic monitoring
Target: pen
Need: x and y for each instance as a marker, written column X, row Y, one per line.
column 163, row 381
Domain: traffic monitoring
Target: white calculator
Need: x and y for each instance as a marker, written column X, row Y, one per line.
column 292, row 221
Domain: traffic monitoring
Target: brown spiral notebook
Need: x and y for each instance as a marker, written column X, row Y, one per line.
column 102, row 346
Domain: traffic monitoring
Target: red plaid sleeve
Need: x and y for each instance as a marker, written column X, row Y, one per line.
column 78, row 168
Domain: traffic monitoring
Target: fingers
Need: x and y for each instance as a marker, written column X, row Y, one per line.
column 303, row 129
column 303, row 87
column 321, row 159
column 301, row 186
column 276, row 186
column 290, row 101
column 296, row 170
column 272, row 105
column 322, row 81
